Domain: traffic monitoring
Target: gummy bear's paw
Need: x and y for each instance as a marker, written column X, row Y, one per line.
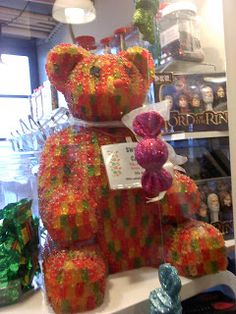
column 74, row 280
column 196, row 249
column 69, row 216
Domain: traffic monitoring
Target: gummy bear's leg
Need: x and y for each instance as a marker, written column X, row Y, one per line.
column 75, row 279
column 195, row 249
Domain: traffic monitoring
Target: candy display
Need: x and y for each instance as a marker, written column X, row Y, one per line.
column 179, row 32
column 18, row 250
column 98, row 231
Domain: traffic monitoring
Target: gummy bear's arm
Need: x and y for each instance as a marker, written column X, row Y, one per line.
column 181, row 201
column 195, row 248
column 67, row 212
column 52, row 171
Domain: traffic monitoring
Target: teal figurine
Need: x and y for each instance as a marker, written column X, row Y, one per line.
column 166, row 300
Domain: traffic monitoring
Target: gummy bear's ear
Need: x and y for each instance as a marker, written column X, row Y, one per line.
column 143, row 60
column 60, row 62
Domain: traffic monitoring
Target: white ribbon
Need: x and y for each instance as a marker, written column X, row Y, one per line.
column 160, row 107
column 90, row 124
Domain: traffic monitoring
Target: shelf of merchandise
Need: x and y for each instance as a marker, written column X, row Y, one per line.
column 182, row 67
column 128, row 292
column 178, row 136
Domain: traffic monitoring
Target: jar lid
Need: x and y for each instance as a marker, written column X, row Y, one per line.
column 179, row 6
column 87, row 42
column 106, row 40
column 123, row 30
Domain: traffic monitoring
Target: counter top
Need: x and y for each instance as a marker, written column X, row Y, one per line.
column 127, row 292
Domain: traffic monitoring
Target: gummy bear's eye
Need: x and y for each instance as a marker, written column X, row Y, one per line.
column 95, row 71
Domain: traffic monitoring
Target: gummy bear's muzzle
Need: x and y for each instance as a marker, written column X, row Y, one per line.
column 118, row 83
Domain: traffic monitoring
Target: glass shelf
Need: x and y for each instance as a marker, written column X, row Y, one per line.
column 178, row 136
column 186, row 67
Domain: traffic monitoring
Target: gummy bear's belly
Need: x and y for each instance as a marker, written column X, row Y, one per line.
column 129, row 233
column 128, row 227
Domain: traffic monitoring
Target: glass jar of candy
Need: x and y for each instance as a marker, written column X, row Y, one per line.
column 18, row 178
column 179, row 33
column 106, row 45
column 87, row 42
column 19, row 226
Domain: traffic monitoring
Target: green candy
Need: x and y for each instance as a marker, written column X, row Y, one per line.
column 144, row 18
column 10, row 292
column 18, row 250
column 147, row 4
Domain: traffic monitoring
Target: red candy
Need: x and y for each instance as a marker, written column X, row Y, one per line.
column 77, row 206
column 104, row 87
column 69, row 216
column 181, row 200
column 195, row 249
column 77, row 283
column 148, row 124
column 151, row 154
column 155, row 182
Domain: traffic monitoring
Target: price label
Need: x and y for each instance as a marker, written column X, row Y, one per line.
column 122, row 169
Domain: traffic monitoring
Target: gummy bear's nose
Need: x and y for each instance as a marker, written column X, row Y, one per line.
column 118, row 83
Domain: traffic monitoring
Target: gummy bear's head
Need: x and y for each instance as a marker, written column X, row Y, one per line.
column 100, row 87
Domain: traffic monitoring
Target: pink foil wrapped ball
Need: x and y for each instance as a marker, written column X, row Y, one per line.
column 148, row 124
column 155, row 182
column 151, row 154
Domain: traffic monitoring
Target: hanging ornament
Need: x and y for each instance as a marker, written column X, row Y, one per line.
column 151, row 153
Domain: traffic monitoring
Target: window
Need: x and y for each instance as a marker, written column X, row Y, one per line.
column 15, row 87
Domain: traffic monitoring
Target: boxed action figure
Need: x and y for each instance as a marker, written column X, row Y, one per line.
column 197, row 102
column 216, row 204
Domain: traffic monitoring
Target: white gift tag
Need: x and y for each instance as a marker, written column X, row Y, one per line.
column 122, row 169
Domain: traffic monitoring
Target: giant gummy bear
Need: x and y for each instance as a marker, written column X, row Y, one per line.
column 95, row 230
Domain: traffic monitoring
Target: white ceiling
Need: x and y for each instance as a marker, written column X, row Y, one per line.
column 27, row 19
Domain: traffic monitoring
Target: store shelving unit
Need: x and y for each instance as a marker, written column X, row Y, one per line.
column 128, row 292
column 177, row 136
column 181, row 67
